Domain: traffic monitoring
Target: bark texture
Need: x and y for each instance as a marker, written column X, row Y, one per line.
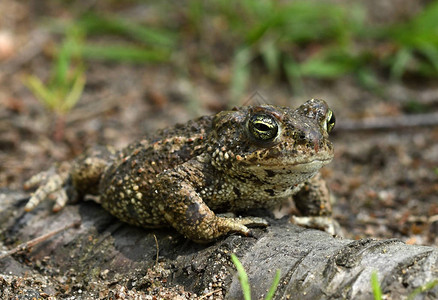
column 104, row 252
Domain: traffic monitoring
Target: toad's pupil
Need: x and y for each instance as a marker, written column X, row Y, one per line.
column 262, row 127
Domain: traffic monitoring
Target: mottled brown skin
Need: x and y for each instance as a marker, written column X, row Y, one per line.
column 250, row 157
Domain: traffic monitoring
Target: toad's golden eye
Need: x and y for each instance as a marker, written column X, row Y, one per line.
column 330, row 121
column 263, row 127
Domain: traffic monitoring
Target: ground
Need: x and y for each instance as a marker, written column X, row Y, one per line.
column 384, row 181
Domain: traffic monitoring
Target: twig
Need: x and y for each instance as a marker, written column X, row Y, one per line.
column 158, row 250
column 433, row 219
column 25, row 246
column 405, row 121
column 209, row 294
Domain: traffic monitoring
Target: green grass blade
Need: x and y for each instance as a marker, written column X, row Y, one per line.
column 41, row 92
column 368, row 79
column 431, row 53
column 258, row 32
column 241, row 71
column 377, row 291
column 400, row 63
column 243, row 277
column 126, row 53
column 293, row 74
column 274, row 286
column 323, row 68
column 61, row 66
column 271, row 56
column 94, row 24
column 421, row 289
column 419, row 31
column 75, row 93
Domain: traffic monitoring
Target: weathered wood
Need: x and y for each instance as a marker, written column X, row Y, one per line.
column 104, row 251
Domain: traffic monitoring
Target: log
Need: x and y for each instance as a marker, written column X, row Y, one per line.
column 104, row 257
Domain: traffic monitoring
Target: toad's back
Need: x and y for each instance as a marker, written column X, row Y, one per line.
column 126, row 187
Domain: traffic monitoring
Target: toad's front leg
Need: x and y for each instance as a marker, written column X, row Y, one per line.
column 313, row 202
column 184, row 209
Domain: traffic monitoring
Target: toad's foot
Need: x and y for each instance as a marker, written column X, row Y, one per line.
column 240, row 225
column 51, row 184
column 325, row 223
column 221, row 226
column 246, row 221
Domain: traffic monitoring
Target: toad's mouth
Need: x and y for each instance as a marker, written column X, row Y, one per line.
column 292, row 164
column 288, row 162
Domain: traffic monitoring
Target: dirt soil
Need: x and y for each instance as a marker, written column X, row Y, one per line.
column 384, row 181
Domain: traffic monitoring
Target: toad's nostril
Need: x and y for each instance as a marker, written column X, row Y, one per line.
column 300, row 136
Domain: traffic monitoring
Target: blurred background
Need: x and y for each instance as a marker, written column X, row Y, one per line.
column 74, row 74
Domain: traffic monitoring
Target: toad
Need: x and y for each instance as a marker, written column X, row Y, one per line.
column 186, row 176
